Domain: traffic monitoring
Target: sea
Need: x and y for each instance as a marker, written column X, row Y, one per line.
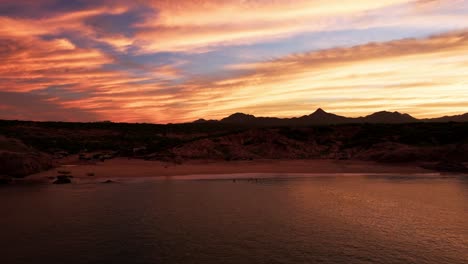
column 251, row 218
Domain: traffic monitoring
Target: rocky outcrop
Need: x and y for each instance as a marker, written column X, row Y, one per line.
column 232, row 139
column 18, row 160
column 252, row 144
column 20, row 164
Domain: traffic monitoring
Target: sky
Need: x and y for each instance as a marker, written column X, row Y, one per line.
column 166, row 61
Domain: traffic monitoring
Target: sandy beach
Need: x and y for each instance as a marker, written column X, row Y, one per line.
column 136, row 168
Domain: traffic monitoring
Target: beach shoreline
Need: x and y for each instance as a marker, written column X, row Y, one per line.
column 120, row 168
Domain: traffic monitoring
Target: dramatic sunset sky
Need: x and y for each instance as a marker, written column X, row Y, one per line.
column 180, row 60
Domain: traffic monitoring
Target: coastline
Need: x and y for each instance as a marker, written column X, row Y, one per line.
column 137, row 168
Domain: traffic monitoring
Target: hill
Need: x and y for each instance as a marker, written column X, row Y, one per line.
column 321, row 117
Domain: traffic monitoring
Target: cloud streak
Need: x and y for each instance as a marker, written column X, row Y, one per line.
column 397, row 75
column 174, row 61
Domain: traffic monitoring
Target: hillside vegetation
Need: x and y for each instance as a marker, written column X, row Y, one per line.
column 409, row 142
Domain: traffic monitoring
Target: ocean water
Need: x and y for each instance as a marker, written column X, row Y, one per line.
column 320, row 219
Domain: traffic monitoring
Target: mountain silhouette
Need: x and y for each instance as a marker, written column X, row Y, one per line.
column 239, row 118
column 201, row 120
column 388, row 118
column 321, row 117
column 455, row 118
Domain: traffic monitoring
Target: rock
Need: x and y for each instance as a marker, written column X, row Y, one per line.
column 108, row 181
column 18, row 164
column 12, row 145
column 62, row 179
column 19, row 160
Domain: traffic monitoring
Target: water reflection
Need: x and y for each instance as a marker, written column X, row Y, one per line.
column 277, row 219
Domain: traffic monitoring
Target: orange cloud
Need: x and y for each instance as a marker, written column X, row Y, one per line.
column 31, row 64
column 185, row 25
column 424, row 77
column 398, row 75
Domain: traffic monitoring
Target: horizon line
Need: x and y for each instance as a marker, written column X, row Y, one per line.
column 243, row 113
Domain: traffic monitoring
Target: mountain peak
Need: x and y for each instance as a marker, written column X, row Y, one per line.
column 239, row 118
column 319, row 111
column 240, row 115
column 389, row 117
column 321, row 117
column 388, row 112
